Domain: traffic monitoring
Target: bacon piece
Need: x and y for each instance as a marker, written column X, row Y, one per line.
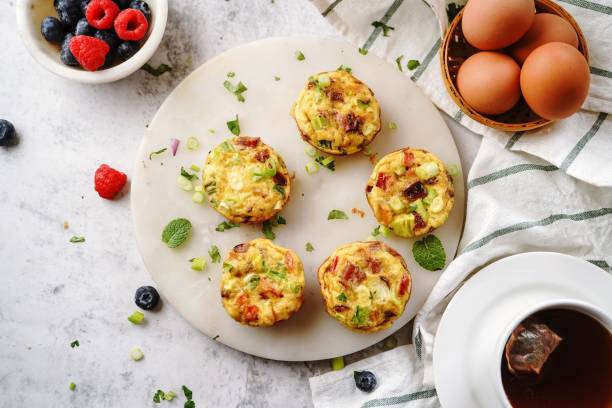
column 386, row 280
column 247, row 141
column 350, row 122
column 369, row 188
column 352, row 273
column 408, row 158
column 262, row 155
column 415, row 191
column 241, row 248
column 418, row 220
column 383, row 180
column 336, row 96
column 431, row 181
column 250, row 313
column 289, row 261
column 340, row 308
column 242, row 299
column 375, row 265
column 403, row 287
column 334, row 264
column 280, row 179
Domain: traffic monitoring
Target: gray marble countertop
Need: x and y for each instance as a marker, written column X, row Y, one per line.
column 53, row 292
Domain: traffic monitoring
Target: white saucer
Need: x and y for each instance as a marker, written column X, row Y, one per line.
column 513, row 284
column 201, row 103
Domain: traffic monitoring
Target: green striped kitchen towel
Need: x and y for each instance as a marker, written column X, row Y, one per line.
column 410, row 30
column 516, row 203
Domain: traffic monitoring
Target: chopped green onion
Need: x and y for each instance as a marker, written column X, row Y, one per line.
column 309, row 247
column 318, row 122
column 198, row 197
column 188, row 175
column 363, row 51
column 195, row 168
column 268, row 172
column 276, row 78
column 362, row 104
column 337, row 215
column 75, row 344
column 392, row 125
column 169, row 396
column 398, row 61
column 299, row 56
column 368, row 152
column 376, row 231
column 215, row 256
column 211, row 131
column 234, row 126
column 279, row 189
column 161, row 69
column 344, row 68
column 237, row 90
column 136, row 317
column 453, row 170
column 312, row 167
column 386, row 232
column 413, row 64
column 193, row 144
column 72, row 386
column 198, row 189
column 324, row 81
column 160, row 151
column 184, row 183
column 198, row 264
column 225, row 225
column 231, row 74
column 75, row 239
column 310, row 151
column 337, row 363
column 136, row 353
column 386, row 28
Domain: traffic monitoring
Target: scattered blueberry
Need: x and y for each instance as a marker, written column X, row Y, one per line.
column 142, row 6
column 69, row 12
column 146, row 297
column 123, row 4
column 365, row 380
column 84, row 4
column 83, row 28
column 7, row 133
column 127, row 49
column 109, row 37
column 52, row 29
column 65, row 54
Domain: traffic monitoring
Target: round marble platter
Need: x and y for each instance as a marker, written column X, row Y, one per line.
column 200, row 106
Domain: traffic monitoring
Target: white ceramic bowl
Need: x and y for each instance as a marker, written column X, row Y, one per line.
column 30, row 14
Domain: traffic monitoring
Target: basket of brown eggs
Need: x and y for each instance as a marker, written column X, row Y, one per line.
column 515, row 65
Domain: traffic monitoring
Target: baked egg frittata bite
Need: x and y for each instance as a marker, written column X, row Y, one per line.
column 262, row 283
column 410, row 192
column 246, row 180
column 365, row 285
column 337, row 113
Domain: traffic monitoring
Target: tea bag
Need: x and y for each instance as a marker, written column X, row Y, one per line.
column 529, row 347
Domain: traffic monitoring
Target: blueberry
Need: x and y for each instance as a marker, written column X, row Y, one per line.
column 146, row 297
column 83, row 28
column 109, row 37
column 7, row 133
column 84, row 5
column 142, row 6
column 127, row 49
column 123, row 4
column 65, row 54
column 52, row 29
column 69, row 12
column 365, row 380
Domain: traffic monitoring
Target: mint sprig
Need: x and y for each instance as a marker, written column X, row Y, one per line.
column 429, row 253
column 176, row 232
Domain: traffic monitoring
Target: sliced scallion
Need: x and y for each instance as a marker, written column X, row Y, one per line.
column 198, row 264
column 193, row 143
column 312, row 167
column 136, row 317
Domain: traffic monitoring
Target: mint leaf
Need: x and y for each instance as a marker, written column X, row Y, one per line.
column 176, row 232
column 429, row 253
column 234, row 126
column 225, row 225
column 309, row 247
column 215, row 256
column 75, row 344
column 337, row 215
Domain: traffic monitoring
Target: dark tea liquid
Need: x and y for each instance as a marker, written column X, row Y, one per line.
column 578, row 374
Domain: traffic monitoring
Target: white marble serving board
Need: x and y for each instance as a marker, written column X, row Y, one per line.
column 201, row 103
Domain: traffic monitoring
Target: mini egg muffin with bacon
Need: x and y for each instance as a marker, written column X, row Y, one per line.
column 410, row 192
column 365, row 285
column 262, row 283
column 337, row 113
column 245, row 180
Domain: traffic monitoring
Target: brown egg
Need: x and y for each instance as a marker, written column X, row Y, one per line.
column 555, row 80
column 489, row 82
column 494, row 24
column 546, row 28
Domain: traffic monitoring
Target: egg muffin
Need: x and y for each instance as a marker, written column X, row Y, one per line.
column 410, row 192
column 262, row 283
column 245, row 180
column 337, row 113
column 365, row 285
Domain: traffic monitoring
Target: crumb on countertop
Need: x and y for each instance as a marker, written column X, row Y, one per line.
column 358, row 212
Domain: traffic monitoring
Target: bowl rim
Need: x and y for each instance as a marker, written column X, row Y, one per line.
column 453, row 92
column 111, row 74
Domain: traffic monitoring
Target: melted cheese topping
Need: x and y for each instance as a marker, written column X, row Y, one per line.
column 262, row 283
column 246, row 180
column 365, row 285
column 337, row 113
column 404, row 198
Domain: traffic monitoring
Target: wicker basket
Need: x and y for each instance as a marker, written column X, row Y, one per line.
column 455, row 50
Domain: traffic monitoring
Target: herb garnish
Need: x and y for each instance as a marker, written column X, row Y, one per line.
column 398, row 61
column 176, row 232
column 341, row 297
column 225, row 225
column 237, row 90
column 161, row 69
column 413, row 64
column 189, row 395
column 337, row 215
column 326, row 162
column 160, row 151
column 198, row 264
column 363, row 51
column 231, row 74
column 376, row 231
column 325, row 144
column 136, row 317
column 234, row 126
column 386, row 28
column 429, row 253
column 362, row 314
column 279, row 189
column 75, row 239
column 309, row 247
column 163, row 396
column 276, row 78
column 299, row 56
column 187, row 175
column 267, row 226
column 72, row 386
column 75, row 344
column 215, row 256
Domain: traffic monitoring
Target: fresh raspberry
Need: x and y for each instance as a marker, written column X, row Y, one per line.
column 131, row 25
column 101, row 13
column 108, row 181
column 90, row 52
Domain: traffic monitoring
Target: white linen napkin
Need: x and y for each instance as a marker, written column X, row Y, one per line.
column 547, row 190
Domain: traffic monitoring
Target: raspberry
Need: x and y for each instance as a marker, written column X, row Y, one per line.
column 89, row 51
column 101, row 13
column 108, row 181
column 131, row 25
